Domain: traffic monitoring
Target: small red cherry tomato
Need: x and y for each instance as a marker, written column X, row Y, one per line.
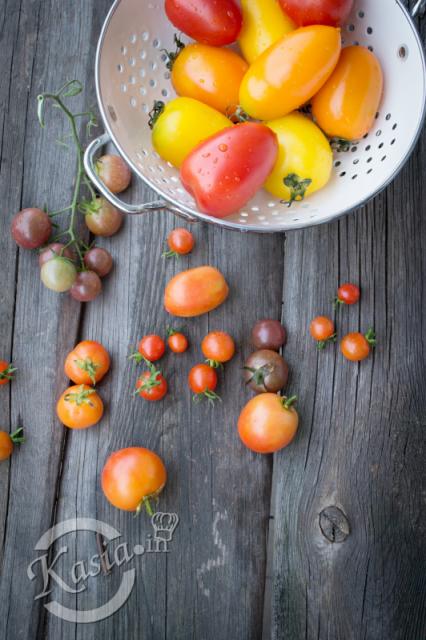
column 180, row 242
column 213, row 22
column 306, row 12
column 6, row 372
column 356, row 347
column 347, row 294
column 322, row 329
column 225, row 171
column 151, row 385
column 150, row 348
column 202, row 381
column 218, row 347
column 177, row 341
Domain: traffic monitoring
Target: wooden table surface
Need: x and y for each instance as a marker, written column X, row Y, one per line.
column 248, row 558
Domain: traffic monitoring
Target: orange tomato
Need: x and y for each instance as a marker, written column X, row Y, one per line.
column 209, row 74
column 79, row 407
column 177, row 341
column 87, row 363
column 268, row 423
column 290, row 72
column 7, row 442
column 196, row 291
column 131, row 477
column 345, row 107
column 6, row 372
column 218, row 347
column 356, row 347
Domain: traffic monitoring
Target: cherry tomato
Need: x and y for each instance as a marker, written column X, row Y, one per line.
column 87, row 286
column 266, row 371
column 225, row 172
column 151, row 385
column 202, row 381
column 6, row 372
column 114, row 173
column 346, row 106
column 268, row 334
column 356, row 347
column 52, row 251
column 182, row 124
column 264, row 23
column 98, row 260
column 87, row 363
column 348, row 294
column 323, row 330
column 7, row 442
column 218, row 347
column 102, row 218
column 329, row 12
column 177, row 341
column 268, row 423
column 79, row 407
column 180, row 242
column 58, row 274
column 194, row 292
column 132, row 477
column 31, row 228
column 210, row 75
column 150, row 348
column 290, row 72
column 207, row 21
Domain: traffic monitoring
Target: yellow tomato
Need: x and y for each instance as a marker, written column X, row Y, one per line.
column 210, row 74
column 346, row 105
column 182, row 124
column 290, row 72
column 305, row 158
column 264, row 22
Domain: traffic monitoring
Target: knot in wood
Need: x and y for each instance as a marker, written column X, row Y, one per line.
column 334, row 524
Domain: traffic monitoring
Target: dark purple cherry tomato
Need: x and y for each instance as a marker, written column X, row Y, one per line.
column 114, row 173
column 266, row 371
column 86, row 287
column 102, row 218
column 99, row 260
column 31, row 228
column 268, row 334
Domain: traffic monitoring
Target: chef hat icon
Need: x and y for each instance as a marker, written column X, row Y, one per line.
column 164, row 525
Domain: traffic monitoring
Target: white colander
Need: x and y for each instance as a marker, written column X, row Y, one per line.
column 131, row 74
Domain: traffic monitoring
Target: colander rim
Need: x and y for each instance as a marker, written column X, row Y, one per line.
column 235, row 226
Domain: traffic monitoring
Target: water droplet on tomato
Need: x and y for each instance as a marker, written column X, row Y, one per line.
column 223, row 147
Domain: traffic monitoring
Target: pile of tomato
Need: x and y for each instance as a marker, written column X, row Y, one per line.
column 265, row 115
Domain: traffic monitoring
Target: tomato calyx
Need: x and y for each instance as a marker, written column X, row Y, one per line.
column 17, row 436
column 321, row 344
column 173, row 55
column 210, row 395
column 370, row 336
column 259, row 374
column 341, row 144
column 145, row 503
column 80, row 397
column 8, row 373
column 155, row 113
column 89, row 207
column 170, row 254
column 288, row 403
column 150, row 382
column 237, row 115
column 171, row 331
column 89, row 367
column 214, row 364
column 297, row 186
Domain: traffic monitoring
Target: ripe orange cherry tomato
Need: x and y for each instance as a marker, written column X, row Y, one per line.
column 323, row 330
column 151, row 385
column 133, row 476
column 87, row 363
column 268, row 423
column 79, row 407
column 347, row 294
column 346, row 106
column 209, row 74
column 290, row 72
column 6, row 372
column 194, row 292
column 177, row 341
column 181, row 242
column 356, row 347
column 218, row 347
column 202, row 381
column 7, row 442
column 150, row 348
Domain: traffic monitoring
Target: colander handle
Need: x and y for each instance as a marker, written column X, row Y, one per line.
column 131, row 209
column 419, row 8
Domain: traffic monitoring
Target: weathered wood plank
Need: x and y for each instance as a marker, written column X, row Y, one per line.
column 361, row 444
